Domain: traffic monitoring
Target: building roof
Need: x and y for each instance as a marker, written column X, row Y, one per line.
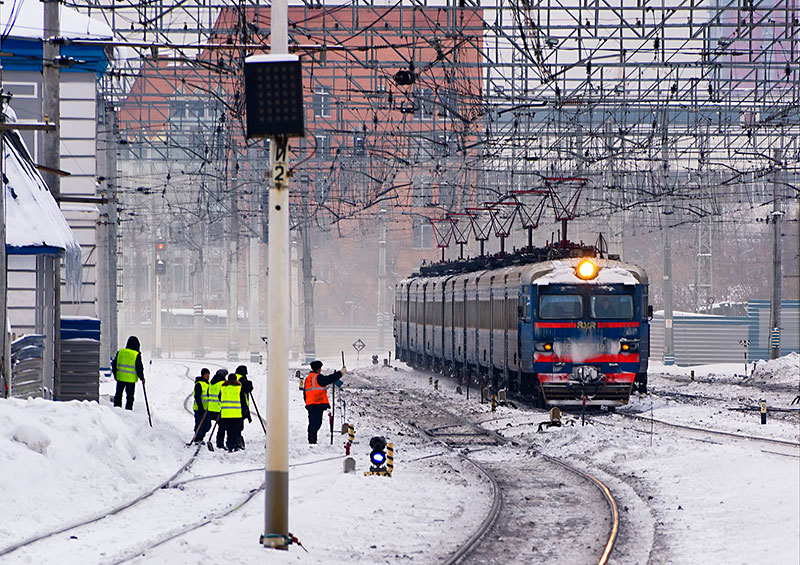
column 34, row 222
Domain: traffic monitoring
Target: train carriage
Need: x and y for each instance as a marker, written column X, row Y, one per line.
column 563, row 331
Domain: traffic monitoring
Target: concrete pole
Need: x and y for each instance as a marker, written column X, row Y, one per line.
column 107, row 240
column 197, row 299
column 51, row 157
column 157, row 344
column 233, row 285
column 5, row 362
column 309, row 338
column 276, row 492
column 296, row 288
column 669, row 343
column 382, row 315
column 775, row 302
column 253, row 269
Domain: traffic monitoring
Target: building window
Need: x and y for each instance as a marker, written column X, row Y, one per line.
column 423, row 195
column 423, row 104
column 323, row 146
column 322, row 102
column 441, row 147
column 448, row 103
column 359, row 147
column 423, row 233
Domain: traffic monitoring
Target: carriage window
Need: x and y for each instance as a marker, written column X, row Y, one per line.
column 612, row 306
column 560, row 307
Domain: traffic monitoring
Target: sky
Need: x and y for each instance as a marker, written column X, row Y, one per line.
column 722, row 502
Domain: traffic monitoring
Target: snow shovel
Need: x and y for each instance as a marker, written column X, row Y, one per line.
column 211, row 437
column 258, row 414
column 202, row 421
column 146, row 404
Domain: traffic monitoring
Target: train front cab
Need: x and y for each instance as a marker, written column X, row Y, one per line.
column 588, row 338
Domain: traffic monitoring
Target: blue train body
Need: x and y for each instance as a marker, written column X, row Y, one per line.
column 535, row 328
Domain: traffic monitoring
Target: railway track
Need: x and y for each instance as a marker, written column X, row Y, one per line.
column 776, row 446
column 156, row 520
column 537, row 513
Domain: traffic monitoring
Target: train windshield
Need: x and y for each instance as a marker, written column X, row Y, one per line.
column 611, row 306
column 560, row 306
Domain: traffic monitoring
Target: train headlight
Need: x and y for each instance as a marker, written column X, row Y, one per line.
column 540, row 346
column 586, row 270
column 628, row 346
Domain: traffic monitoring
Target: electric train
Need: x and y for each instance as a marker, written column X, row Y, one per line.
column 561, row 325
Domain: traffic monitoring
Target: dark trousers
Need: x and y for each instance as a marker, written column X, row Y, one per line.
column 129, row 390
column 314, row 421
column 202, row 423
column 233, row 429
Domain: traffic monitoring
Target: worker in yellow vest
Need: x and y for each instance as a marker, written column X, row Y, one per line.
column 214, row 388
column 315, row 393
column 202, row 423
column 232, row 399
column 247, row 389
column 127, row 368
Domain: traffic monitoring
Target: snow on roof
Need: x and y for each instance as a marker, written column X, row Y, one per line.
column 33, row 218
column 564, row 273
column 25, row 19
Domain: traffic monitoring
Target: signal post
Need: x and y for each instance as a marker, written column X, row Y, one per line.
column 274, row 103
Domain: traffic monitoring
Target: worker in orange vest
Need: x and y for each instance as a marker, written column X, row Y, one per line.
column 316, row 396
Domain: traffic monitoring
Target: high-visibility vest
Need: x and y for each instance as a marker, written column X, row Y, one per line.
column 230, row 401
column 314, row 393
column 125, row 367
column 213, row 396
column 203, row 395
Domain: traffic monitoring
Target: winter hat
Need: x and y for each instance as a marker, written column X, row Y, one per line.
column 316, row 366
column 133, row 343
column 241, row 370
column 204, row 371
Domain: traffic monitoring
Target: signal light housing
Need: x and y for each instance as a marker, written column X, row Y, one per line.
column 378, row 455
column 586, row 270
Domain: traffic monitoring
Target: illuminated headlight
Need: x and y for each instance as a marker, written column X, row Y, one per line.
column 543, row 346
column 629, row 346
column 586, row 270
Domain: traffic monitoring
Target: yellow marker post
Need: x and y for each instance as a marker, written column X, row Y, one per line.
column 389, row 458
column 763, row 412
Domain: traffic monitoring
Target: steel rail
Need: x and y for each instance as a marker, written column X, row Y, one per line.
column 98, row 517
column 115, row 510
column 606, row 492
column 497, row 503
column 646, row 419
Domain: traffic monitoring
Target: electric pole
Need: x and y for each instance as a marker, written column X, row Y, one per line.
column 51, row 158
column 5, row 362
column 775, row 303
column 309, row 339
column 382, row 315
column 669, row 343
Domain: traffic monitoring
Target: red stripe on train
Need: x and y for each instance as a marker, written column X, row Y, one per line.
column 617, row 358
column 617, row 324
column 539, row 325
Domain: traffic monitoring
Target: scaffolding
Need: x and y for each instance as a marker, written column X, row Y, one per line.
column 670, row 110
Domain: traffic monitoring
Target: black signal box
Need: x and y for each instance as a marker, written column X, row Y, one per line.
column 273, row 87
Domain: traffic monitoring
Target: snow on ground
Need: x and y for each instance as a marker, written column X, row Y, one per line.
column 715, row 502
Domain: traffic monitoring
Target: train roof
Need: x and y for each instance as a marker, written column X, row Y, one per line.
column 558, row 271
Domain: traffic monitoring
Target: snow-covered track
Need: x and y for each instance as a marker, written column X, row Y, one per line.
column 536, row 512
column 127, row 507
column 779, row 446
column 101, row 516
